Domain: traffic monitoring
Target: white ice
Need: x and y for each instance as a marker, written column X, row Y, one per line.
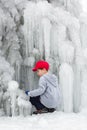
column 55, row 31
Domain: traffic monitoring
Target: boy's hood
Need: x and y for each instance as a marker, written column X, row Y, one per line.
column 51, row 78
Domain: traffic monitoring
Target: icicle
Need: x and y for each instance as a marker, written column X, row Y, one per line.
column 83, row 105
column 24, row 107
column 66, row 77
column 46, row 29
column 12, row 88
column 66, row 52
column 29, row 76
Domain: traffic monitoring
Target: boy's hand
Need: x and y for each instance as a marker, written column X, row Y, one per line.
column 27, row 92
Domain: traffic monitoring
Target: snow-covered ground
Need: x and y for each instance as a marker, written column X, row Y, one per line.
column 53, row 121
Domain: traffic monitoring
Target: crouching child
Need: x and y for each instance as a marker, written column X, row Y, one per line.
column 46, row 97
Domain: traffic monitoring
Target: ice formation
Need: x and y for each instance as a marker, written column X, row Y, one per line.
column 12, row 88
column 19, row 103
column 53, row 30
column 66, row 74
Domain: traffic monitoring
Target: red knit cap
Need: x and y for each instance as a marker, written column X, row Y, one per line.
column 41, row 64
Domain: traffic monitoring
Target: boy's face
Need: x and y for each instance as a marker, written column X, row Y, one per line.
column 41, row 72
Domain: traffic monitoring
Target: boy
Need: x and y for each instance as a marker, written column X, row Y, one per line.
column 46, row 97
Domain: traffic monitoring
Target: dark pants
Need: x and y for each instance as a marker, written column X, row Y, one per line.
column 36, row 102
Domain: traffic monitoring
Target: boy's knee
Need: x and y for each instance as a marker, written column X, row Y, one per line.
column 31, row 99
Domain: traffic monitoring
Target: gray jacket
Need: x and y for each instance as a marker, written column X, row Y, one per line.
column 48, row 91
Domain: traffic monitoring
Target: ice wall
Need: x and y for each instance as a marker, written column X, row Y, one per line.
column 53, row 30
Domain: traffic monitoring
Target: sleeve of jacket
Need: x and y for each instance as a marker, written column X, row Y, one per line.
column 40, row 90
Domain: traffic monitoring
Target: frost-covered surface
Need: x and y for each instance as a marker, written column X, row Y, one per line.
column 66, row 74
column 56, row 121
column 15, row 101
column 57, row 31
column 12, row 89
column 53, row 30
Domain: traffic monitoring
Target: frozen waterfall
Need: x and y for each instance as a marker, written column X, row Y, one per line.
column 53, row 30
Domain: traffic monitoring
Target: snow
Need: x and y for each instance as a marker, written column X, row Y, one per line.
column 56, row 120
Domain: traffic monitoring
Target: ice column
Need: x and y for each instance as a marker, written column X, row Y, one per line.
column 25, row 106
column 83, row 28
column 46, row 29
column 12, row 89
column 66, row 76
column 29, row 63
column 74, row 30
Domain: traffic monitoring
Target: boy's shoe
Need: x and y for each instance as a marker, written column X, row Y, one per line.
column 44, row 110
column 51, row 109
